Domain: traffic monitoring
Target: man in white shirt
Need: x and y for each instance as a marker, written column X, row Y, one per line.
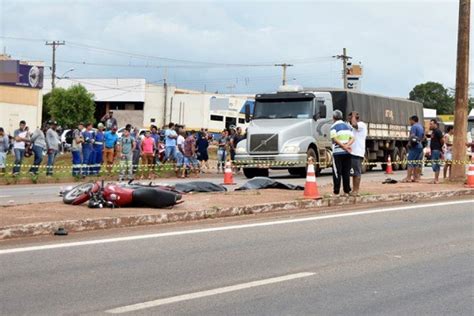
column 358, row 150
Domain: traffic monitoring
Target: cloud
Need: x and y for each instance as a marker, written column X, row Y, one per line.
column 400, row 43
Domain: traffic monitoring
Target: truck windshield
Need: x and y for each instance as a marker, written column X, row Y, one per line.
column 277, row 109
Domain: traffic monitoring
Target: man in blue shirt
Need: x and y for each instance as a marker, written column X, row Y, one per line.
column 88, row 150
column 170, row 142
column 415, row 150
column 342, row 139
column 110, row 144
column 98, row 148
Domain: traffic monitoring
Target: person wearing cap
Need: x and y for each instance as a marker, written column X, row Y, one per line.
column 88, row 150
column 19, row 145
column 4, row 146
column 98, row 149
column 110, row 144
column 342, row 139
column 53, row 141
column 76, row 150
column 109, row 120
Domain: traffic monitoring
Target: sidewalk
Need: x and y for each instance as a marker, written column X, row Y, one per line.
column 43, row 218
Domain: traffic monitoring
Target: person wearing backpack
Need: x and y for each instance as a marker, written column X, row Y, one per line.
column 415, row 150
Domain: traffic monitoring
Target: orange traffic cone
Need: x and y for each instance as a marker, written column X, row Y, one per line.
column 389, row 169
column 311, row 187
column 228, row 175
column 470, row 174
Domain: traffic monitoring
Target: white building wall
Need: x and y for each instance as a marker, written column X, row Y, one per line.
column 12, row 114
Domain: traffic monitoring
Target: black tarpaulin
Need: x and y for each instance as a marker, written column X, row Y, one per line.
column 199, row 186
column 267, row 183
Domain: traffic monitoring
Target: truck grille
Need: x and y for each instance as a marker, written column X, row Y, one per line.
column 264, row 143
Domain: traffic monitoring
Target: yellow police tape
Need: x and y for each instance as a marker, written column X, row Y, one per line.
column 115, row 168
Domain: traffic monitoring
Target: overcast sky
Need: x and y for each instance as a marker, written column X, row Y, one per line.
column 399, row 43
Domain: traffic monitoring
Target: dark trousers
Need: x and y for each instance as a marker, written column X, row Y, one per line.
column 76, row 162
column 341, row 170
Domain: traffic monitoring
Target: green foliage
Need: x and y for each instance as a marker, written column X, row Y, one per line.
column 433, row 95
column 71, row 106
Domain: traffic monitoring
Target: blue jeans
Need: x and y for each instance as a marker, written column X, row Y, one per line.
column 19, row 154
column 170, row 152
column 435, row 160
column 414, row 153
column 221, row 155
column 51, row 158
column 38, row 154
column 76, row 162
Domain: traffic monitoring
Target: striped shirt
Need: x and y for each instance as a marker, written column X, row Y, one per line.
column 341, row 132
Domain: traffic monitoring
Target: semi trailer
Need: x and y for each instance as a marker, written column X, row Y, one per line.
column 293, row 124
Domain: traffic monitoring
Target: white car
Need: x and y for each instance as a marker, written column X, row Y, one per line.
column 141, row 132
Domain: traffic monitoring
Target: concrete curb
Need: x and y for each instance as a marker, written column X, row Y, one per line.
column 47, row 228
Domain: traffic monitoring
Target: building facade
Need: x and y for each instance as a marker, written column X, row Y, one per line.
column 21, row 96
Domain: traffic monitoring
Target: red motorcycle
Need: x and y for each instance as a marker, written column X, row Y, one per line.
column 122, row 195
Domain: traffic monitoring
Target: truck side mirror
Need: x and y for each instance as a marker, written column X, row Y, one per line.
column 247, row 112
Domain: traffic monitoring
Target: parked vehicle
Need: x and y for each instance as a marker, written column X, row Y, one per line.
column 293, row 124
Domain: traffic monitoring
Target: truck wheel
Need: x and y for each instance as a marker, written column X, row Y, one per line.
column 317, row 168
column 403, row 157
column 395, row 156
column 365, row 167
column 255, row 172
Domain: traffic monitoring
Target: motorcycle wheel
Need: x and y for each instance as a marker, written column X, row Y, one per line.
column 79, row 194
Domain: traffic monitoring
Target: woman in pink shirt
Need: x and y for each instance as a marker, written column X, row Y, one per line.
column 148, row 153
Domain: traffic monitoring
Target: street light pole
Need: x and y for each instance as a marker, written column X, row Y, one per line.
column 462, row 90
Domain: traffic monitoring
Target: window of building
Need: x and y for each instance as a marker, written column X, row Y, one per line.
column 241, row 121
column 218, row 118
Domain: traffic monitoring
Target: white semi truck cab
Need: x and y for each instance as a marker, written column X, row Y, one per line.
column 285, row 129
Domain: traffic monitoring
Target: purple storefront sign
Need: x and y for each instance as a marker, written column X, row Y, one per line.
column 13, row 73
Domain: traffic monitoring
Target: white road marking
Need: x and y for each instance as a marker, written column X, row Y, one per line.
column 229, row 227
column 221, row 290
column 5, row 196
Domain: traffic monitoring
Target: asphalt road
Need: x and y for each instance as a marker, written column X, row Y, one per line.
column 404, row 260
column 34, row 193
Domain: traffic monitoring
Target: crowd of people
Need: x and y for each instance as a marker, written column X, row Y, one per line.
column 349, row 139
column 138, row 153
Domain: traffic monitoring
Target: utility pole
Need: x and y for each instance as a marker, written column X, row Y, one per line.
column 165, row 104
column 284, row 66
column 344, row 58
column 54, row 44
column 462, row 89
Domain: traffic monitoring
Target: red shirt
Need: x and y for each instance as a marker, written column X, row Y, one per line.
column 148, row 145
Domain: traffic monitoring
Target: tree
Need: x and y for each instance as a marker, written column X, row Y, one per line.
column 433, row 95
column 71, row 106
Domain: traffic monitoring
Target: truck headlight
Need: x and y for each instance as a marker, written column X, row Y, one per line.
column 291, row 149
column 240, row 150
